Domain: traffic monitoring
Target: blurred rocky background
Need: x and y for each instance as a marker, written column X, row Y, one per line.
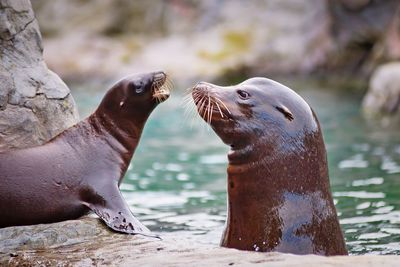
column 195, row 38
column 339, row 40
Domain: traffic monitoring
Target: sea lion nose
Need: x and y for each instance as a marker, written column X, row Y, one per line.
column 159, row 75
column 205, row 84
column 140, row 88
column 202, row 86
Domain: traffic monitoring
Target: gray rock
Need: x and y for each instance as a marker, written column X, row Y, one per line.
column 7, row 85
column 87, row 242
column 355, row 5
column 35, row 104
column 362, row 34
column 382, row 101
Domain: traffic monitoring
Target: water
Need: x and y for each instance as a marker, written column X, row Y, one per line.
column 177, row 178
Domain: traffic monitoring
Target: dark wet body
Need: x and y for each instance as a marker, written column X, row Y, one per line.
column 279, row 197
column 81, row 169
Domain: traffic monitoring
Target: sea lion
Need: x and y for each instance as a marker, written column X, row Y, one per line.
column 81, row 169
column 279, row 197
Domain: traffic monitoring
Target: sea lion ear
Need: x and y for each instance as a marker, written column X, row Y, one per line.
column 286, row 112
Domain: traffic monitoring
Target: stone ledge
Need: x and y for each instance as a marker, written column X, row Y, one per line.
column 87, row 242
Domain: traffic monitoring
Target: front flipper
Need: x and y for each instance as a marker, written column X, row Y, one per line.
column 114, row 211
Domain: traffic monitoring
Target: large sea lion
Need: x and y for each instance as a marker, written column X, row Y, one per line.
column 81, row 168
column 279, row 197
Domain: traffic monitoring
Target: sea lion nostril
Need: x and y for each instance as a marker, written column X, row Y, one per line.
column 137, row 86
column 139, row 89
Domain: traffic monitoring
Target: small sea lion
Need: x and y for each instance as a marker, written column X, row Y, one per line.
column 81, row 169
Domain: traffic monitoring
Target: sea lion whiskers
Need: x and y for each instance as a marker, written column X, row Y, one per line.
column 203, row 107
column 204, row 104
column 223, row 109
column 200, row 104
column 169, row 83
column 189, row 107
column 209, row 103
column 161, row 87
column 219, row 110
column 188, row 100
column 227, row 109
column 215, row 103
column 209, row 109
column 186, row 103
column 199, row 101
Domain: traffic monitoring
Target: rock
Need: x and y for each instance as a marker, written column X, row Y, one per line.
column 382, row 101
column 389, row 47
column 35, row 104
column 355, row 5
column 363, row 35
column 87, row 242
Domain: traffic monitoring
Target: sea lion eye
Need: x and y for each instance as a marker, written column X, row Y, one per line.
column 243, row 94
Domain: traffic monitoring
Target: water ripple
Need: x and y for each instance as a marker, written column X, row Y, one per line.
column 373, row 235
column 359, row 194
column 389, row 165
column 370, row 181
column 357, row 161
column 213, row 159
column 392, row 217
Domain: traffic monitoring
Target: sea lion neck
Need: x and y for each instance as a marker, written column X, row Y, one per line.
column 249, row 155
column 124, row 131
column 242, row 159
column 273, row 199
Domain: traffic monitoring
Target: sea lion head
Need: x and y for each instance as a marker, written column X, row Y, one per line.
column 137, row 95
column 257, row 114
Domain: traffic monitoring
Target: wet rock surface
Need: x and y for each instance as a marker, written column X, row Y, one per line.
column 87, row 242
column 35, row 104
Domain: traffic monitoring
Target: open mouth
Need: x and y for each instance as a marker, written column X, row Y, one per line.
column 161, row 87
column 209, row 105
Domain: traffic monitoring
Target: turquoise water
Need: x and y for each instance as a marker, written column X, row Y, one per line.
column 176, row 181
